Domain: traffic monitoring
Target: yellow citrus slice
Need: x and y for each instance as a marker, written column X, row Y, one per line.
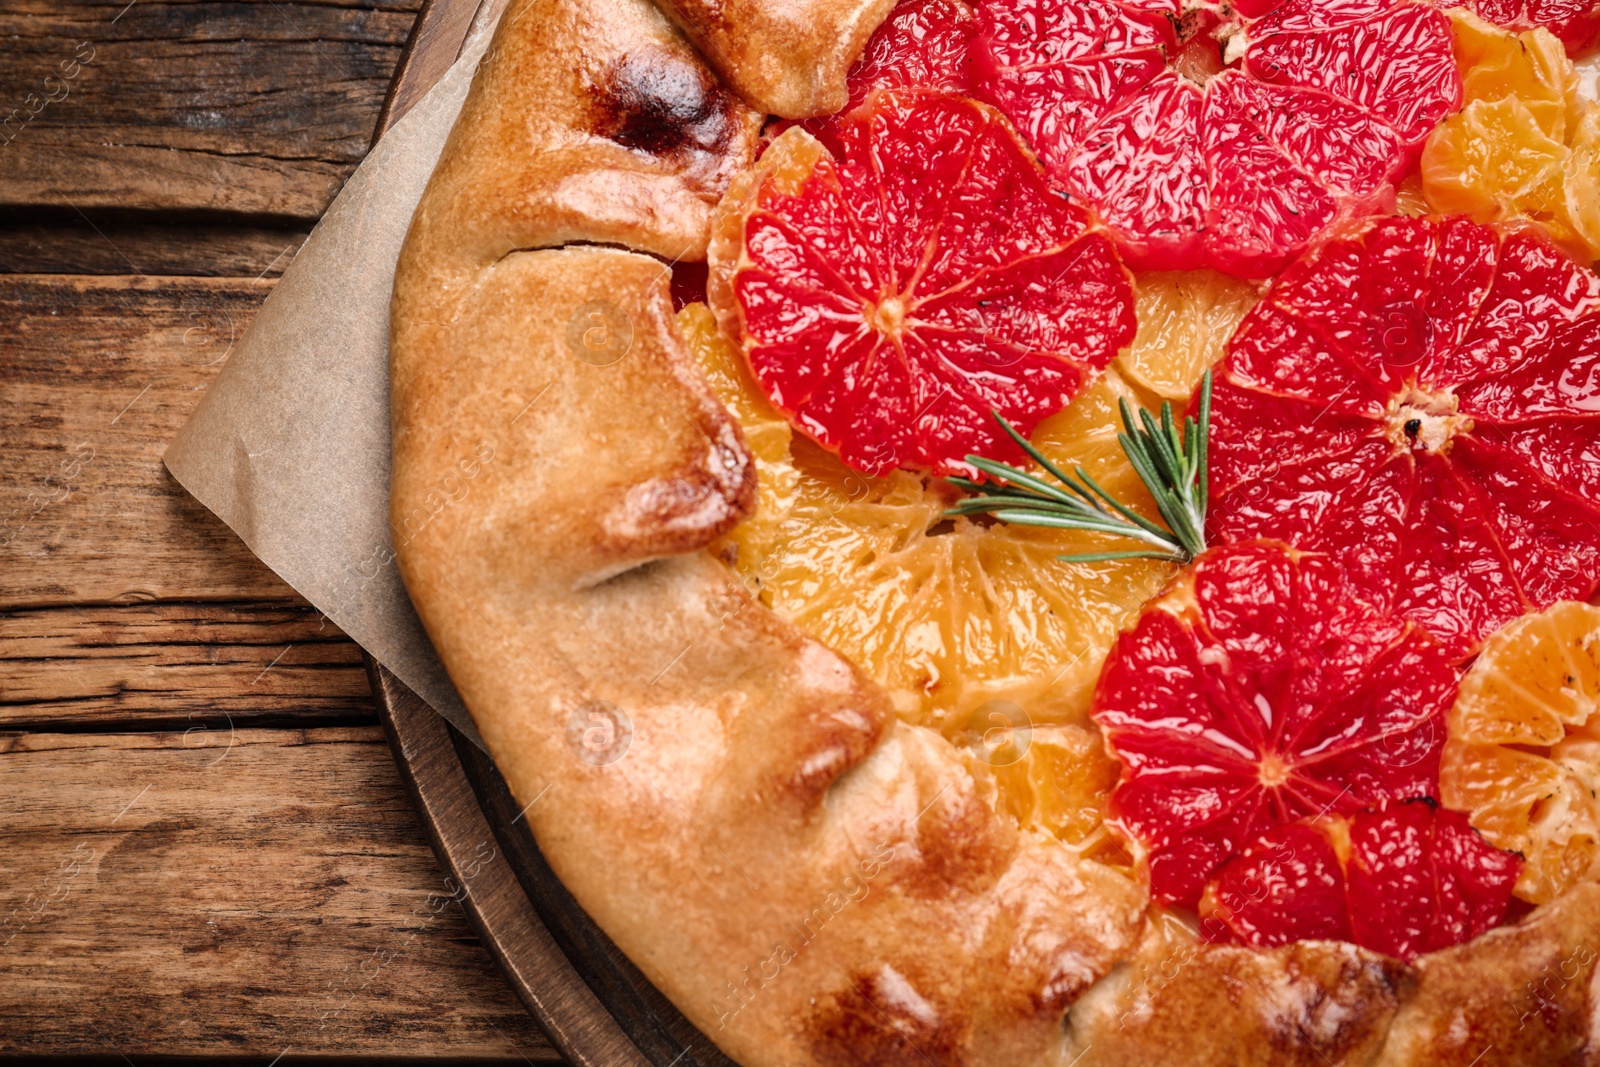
column 1059, row 784
column 1522, row 754
column 1524, row 145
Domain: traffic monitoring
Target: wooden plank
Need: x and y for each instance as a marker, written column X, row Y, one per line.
column 433, row 761
column 251, row 106
column 96, row 375
column 435, row 42
column 269, row 890
column 177, row 666
column 38, row 241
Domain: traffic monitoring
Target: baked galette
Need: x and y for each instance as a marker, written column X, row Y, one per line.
column 879, row 669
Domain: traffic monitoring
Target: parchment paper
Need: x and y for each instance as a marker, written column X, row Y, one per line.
column 290, row 446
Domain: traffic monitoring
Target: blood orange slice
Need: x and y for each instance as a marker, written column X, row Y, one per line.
column 1575, row 22
column 1228, row 140
column 895, row 286
column 1421, row 400
column 1259, row 691
column 1403, row 881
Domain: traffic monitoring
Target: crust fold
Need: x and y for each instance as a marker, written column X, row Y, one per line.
column 787, row 57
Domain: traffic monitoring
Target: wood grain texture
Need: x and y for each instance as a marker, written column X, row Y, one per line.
column 433, row 761
column 44, row 241
column 257, row 891
column 250, row 106
column 97, row 375
column 208, row 887
column 168, row 665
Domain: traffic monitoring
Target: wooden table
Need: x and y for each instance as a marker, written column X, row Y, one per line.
column 204, row 845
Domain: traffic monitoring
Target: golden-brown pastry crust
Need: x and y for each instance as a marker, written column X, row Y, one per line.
column 1310, row 1003
column 811, row 881
column 1521, row 994
column 788, row 57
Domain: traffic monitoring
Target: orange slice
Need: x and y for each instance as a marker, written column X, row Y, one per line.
column 1522, row 754
column 1185, row 320
column 949, row 615
column 1524, row 145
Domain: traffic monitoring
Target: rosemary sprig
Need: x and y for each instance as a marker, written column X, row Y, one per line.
column 1171, row 465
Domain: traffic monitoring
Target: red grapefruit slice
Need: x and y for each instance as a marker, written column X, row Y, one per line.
column 1257, row 692
column 1575, row 22
column 1407, row 880
column 922, row 43
column 1421, row 401
column 1203, row 139
column 893, row 286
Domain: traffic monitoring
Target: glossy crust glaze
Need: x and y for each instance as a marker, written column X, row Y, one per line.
column 809, row 880
column 787, row 57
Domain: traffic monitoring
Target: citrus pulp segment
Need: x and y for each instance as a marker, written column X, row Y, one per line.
column 1059, row 784
column 1575, row 22
column 1522, row 757
column 1259, row 691
column 1421, row 401
column 922, row 43
column 896, row 284
column 1185, row 321
column 1525, row 144
column 1403, row 881
column 1205, row 135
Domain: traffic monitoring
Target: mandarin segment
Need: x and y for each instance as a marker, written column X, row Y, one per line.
column 1185, row 321
column 1523, row 754
column 1059, row 784
column 1522, row 146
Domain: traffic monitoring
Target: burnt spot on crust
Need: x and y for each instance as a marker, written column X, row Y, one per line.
column 668, row 106
column 882, row 1019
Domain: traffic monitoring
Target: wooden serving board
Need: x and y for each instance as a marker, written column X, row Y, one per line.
column 593, row 1004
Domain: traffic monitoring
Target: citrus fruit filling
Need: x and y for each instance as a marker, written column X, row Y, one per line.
column 894, row 285
column 1421, row 401
column 1403, row 881
column 962, row 619
column 1525, row 145
column 1223, row 135
column 1259, row 691
column 1522, row 756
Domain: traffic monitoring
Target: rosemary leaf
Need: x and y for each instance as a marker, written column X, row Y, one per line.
column 1171, row 460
